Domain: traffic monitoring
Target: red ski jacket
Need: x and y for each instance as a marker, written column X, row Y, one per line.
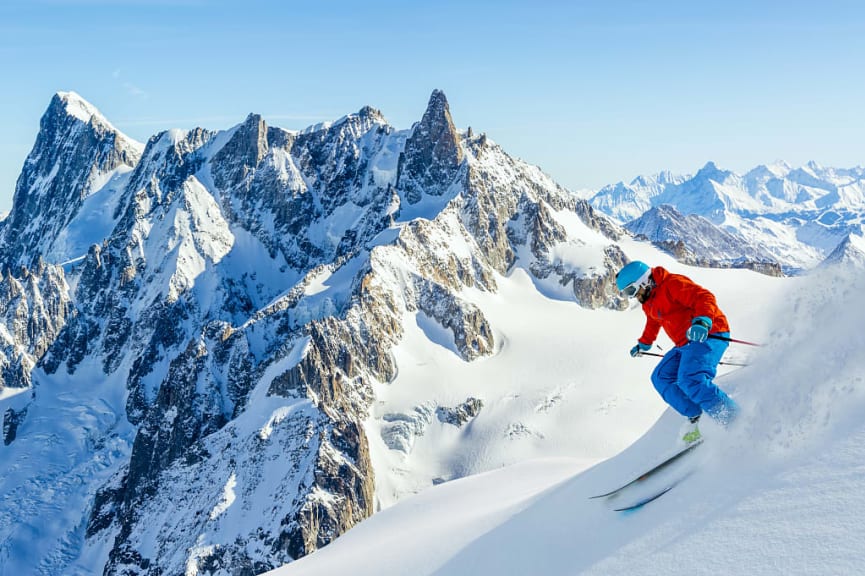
column 673, row 303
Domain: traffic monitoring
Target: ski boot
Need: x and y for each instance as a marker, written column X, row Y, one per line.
column 691, row 432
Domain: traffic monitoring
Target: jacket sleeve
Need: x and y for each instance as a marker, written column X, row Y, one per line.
column 650, row 332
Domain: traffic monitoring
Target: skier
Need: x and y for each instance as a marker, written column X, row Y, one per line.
column 690, row 316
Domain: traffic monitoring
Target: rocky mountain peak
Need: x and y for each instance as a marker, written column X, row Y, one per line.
column 371, row 114
column 256, row 128
column 243, row 152
column 71, row 104
column 438, row 106
column 75, row 154
column 814, row 166
column 432, row 155
column 849, row 252
column 68, row 109
column 68, row 113
column 710, row 171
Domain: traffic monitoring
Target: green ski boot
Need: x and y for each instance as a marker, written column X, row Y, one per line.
column 692, row 431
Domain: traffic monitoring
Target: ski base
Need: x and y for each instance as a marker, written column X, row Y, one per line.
column 651, row 498
column 657, row 468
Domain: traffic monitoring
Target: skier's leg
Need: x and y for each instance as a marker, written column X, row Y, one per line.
column 697, row 368
column 664, row 379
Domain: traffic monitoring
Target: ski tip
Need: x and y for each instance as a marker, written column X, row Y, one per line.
column 597, row 496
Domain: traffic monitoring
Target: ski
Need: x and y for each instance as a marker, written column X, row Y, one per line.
column 660, row 466
column 643, row 501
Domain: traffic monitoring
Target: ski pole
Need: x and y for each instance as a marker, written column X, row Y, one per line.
column 726, row 339
column 650, row 354
column 719, row 363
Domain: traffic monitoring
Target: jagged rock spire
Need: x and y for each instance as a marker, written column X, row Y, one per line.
column 432, row 155
column 242, row 153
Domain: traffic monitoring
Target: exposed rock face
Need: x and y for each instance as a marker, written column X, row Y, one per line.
column 432, row 156
column 459, row 415
column 242, row 154
column 11, row 419
column 601, row 291
column 219, row 343
column 35, row 306
column 697, row 241
column 472, row 333
column 56, row 179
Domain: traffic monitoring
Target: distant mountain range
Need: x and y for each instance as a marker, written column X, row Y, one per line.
column 795, row 217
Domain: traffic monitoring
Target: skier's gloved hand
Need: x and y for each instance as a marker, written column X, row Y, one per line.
column 639, row 349
column 699, row 330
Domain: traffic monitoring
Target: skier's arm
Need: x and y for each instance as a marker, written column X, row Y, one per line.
column 650, row 332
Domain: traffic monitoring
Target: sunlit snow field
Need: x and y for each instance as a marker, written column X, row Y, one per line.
column 782, row 492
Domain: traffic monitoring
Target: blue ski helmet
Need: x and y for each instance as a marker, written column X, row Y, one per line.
column 632, row 277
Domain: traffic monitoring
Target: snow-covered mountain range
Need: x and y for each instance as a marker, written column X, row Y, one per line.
column 792, row 217
column 224, row 349
column 198, row 328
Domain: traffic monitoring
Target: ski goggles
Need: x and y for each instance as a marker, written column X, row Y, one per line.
column 634, row 287
column 631, row 290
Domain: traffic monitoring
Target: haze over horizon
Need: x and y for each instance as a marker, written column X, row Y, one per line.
column 593, row 94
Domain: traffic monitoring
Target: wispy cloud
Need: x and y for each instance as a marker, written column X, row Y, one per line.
column 129, row 87
column 134, row 90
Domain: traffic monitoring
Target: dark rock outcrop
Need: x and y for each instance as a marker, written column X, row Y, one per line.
column 432, row 156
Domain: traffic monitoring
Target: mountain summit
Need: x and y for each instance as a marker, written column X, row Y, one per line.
column 213, row 322
column 77, row 153
column 432, row 155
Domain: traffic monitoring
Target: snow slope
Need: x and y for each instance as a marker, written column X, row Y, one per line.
column 780, row 493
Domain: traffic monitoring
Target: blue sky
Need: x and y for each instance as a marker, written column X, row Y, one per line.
column 592, row 92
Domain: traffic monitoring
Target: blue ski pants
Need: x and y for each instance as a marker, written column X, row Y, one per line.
column 684, row 376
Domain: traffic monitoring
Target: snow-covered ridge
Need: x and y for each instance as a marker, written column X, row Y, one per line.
column 78, row 107
column 797, row 215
